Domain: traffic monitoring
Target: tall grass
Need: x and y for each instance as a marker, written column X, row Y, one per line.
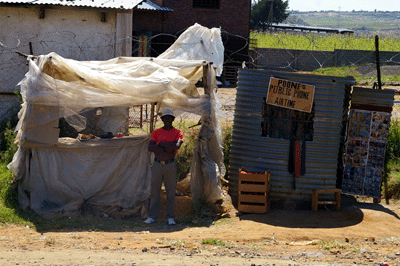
column 352, row 71
column 185, row 154
column 323, row 42
column 393, row 161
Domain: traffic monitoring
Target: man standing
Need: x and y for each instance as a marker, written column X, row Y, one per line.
column 164, row 142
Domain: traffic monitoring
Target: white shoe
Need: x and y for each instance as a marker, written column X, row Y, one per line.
column 150, row 220
column 171, row 221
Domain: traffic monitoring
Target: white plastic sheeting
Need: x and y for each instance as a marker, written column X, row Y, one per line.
column 57, row 176
column 198, row 42
column 108, row 175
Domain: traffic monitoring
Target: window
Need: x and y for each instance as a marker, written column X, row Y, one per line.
column 283, row 123
column 212, row 4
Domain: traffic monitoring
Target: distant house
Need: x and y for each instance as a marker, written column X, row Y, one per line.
column 308, row 29
column 82, row 30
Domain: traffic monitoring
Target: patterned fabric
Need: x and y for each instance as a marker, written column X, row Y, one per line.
column 284, row 123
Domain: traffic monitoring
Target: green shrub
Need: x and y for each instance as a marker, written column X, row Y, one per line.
column 394, row 186
column 10, row 212
column 393, row 141
column 227, row 139
column 185, row 154
column 392, row 163
column 8, row 145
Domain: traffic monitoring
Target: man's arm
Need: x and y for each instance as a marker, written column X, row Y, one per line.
column 153, row 147
column 171, row 146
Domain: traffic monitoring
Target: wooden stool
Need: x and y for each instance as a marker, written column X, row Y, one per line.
column 336, row 201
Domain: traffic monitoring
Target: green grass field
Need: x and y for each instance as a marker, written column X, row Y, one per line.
column 323, row 42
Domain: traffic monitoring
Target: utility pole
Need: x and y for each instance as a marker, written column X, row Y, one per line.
column 269, row 20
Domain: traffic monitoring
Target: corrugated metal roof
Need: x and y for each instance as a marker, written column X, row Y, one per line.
column 120, row 4
column 258, row 154
column 384, row 98
column 148, row 5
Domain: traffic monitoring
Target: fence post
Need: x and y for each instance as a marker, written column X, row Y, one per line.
column 378, row 67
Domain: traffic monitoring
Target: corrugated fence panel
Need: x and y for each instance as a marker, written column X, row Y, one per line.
column 257, row 154
column 366, row 96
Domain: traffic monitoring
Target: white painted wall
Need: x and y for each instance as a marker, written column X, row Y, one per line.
column 72, row 34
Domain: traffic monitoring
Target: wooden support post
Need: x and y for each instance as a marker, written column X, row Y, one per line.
column 206, row 79
column 152, row 117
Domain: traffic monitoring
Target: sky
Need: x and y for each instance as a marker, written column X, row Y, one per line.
column 344, row 5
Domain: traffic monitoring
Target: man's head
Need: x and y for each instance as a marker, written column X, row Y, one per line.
column 167, row 116
column 167, row 111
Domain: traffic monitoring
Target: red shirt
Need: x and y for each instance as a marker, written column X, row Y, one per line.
column 168, row 136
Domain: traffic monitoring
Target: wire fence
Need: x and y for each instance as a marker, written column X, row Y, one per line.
column 366, row 58
column 284, row 52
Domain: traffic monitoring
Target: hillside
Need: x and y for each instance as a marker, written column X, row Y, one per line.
column 362, row 22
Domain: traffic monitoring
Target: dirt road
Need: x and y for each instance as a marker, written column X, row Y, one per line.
column 361, row 234
column 358, row 234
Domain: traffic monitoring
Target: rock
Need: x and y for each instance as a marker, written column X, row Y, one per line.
column 183, row 186
column 144, row 249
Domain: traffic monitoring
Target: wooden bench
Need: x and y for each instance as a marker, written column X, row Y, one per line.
column 316, row 202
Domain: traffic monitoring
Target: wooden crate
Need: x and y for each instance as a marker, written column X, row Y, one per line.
column 254, row 192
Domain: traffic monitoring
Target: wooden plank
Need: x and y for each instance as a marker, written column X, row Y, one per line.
column 253, row 198
column 319, row 191
column 253, row 177
column 252, row 188
column 326, row 202
column 252, row 208
column 315, row 201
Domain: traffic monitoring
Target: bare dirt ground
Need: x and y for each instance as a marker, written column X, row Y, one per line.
column 361, row 233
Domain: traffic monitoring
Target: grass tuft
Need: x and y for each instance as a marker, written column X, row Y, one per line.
column 213, row 242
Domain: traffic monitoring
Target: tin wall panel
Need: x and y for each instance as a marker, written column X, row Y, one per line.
column 373, row 97
column 257, row 154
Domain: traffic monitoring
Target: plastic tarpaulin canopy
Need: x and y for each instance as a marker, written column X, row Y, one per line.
column 56, row 176
column 96, row 173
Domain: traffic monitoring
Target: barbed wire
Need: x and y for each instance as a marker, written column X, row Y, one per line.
column 281, row 55
column 103, row 47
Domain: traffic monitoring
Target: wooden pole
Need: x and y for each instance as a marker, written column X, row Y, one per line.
column 152, row 117
column 30, row 48
column 206, row 79
column 378, row 67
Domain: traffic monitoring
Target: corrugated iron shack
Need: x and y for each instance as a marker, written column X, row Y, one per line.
column 323, row 147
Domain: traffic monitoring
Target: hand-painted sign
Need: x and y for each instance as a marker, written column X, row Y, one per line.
column 290, row 94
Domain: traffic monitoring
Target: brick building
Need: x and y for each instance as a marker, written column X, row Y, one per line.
column 174, row 16
column 152, row 18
